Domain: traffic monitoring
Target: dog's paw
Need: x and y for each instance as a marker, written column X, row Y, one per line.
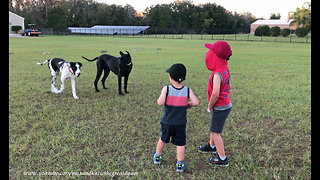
column 121, row 94
column 75, row 97
column 55, row 91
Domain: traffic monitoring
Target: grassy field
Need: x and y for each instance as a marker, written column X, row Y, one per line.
column 230, row 37
column 267, row 134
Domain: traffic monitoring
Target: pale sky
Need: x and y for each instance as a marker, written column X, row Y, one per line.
column 258, row 8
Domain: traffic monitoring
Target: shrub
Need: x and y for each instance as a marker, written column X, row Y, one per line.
column 265, row 30
column 258, row 31
column 262, row 31
column 275, row 31
column 285, row 32
column 16, row 28
column 301, row 31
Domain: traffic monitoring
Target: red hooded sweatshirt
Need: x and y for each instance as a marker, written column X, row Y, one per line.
column 219, row 65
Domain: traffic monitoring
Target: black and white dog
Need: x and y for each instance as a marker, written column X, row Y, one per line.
column 121, row 66
column 69, row 70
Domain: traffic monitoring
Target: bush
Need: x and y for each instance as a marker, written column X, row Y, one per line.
column 301, row 31
column 262, row 31
column 265, row 30
column 285, row 32
column 16, row 28
column 258, row 31
column 275, row 31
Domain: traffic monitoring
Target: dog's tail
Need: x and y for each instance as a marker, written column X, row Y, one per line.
column 89, row 59
column 40, row 64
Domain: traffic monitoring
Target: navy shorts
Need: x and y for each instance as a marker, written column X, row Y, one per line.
column 177, row 133
column 218, row 119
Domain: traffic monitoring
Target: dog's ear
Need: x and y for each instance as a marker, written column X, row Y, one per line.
column 128, row 53
column 80, row 64
column 121, row 53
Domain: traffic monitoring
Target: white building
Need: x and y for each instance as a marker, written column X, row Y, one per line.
column 15, row 20
column 98, row 29
column 282, row 23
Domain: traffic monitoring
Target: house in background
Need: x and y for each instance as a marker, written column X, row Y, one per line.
column 281, row 23
column 15, row 20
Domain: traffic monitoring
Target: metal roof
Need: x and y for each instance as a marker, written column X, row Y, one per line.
column 100, row 29
column 272, row 22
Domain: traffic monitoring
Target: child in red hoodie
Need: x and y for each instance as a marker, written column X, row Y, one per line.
column 219, row 103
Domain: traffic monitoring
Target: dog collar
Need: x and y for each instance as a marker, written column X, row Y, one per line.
column 129, row 64
column 70, row 70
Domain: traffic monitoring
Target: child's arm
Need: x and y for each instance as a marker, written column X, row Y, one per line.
column 215, row 92
column 194, row 100
column 162, row 97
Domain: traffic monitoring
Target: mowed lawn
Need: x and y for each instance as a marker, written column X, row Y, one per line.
column 267, row 134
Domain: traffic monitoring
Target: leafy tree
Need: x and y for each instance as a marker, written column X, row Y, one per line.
column 258, row 31
column 275, row 31
column 262, row 31
column 301, row 31
column 181, row 16
column 275, row 16
column 285, row 32
column 302, row 16
column 57, row 18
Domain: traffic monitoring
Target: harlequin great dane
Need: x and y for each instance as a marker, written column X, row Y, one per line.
column 69, row 70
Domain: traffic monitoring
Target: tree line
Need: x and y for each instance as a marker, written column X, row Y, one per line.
column 177, row 17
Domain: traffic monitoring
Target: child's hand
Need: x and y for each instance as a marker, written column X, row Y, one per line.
column 189, row 105
column 210, row 108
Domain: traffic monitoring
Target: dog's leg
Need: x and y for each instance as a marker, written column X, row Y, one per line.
column 119, row 85
column 62, row 84
column 99, row 72
column 73, row 85
column 106, row 74
column 126, row 83
column 53, row 81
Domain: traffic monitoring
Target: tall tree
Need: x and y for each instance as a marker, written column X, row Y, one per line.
column 302, row 16
column 275, row 16
column 57, row 18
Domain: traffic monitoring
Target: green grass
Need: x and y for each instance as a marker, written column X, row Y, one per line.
column 230, row 37
column 267, row 134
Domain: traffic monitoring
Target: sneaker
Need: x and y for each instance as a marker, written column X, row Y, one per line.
column 217, row 161
column 207, row 149
column 180, row 167
column 157, row 158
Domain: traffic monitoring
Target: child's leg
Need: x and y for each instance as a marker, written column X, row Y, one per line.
column 211, row 141
column 160, row 146
column 180, row 159
column 180, row 153
column 216, row 138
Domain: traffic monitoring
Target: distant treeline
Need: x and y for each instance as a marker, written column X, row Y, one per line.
column 176, row 17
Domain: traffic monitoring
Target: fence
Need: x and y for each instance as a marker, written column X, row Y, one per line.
column 292, row 38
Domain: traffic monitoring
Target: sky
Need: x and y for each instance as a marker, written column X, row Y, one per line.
column 258, row 8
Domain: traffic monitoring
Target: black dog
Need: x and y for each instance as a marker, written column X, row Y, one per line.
column 121, row 66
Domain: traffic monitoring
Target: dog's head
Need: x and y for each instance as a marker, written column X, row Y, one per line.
column 75, row 66
column 125, row 59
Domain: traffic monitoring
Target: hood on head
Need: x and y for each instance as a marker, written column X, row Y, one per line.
column 213, row 62
column 221, row 48
column 217, row 56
